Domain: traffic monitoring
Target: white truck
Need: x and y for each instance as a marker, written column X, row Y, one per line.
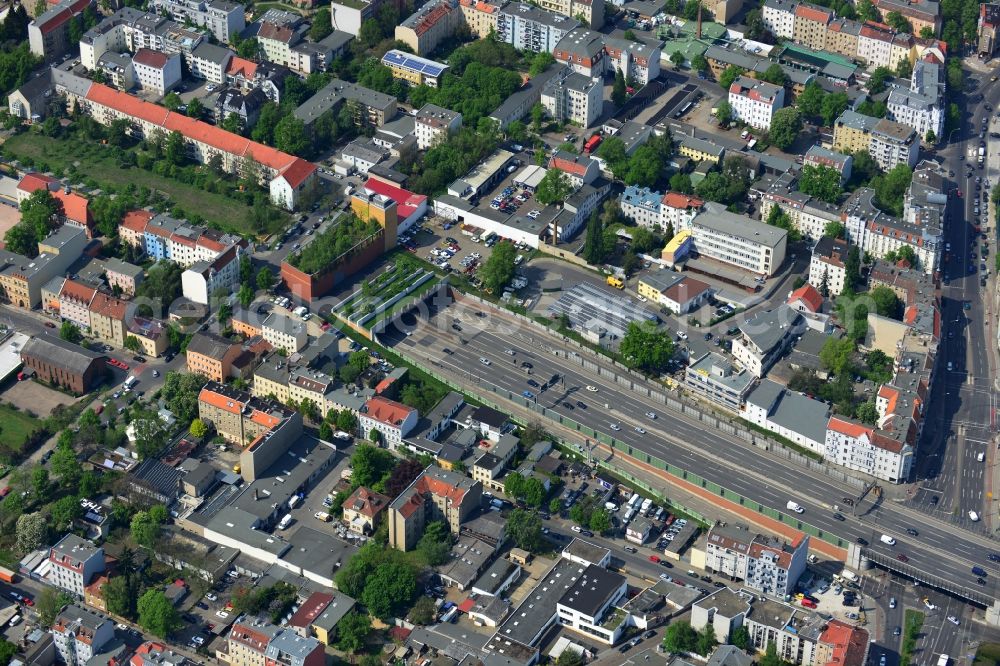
column 793, row 506
column 285, row 522
column 294, row 501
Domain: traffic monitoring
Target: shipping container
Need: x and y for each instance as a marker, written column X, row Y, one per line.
column 7, row 575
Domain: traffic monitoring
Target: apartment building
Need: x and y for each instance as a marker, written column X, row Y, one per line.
column 589, row 11
column 74, row 303
column 430, row 25
column 921, row 105
column 288, row 648
column 739, row 241
column 827, row 265
column 436, row 494
column 247, row 642
column 413, row 69
column 75, row 207
column 49, row 32
column 123, row 276
column 238, row 416
column 808, row 214
column 810, row 25
column 881, row 46
column 818, row 156
column 575, row 98
column 922, row 230
column 80, row 634
column 211, row 356
column 285, row 175
column 637, row 61
column 156, row 71
column 588, row 606
column 129, row 29
column 368, row 107
column 779, row 17
column 210, row 62
column 713, row 378
column 765, row 563
column 765, row 337
column 434, row 124
column 861, row 448
column 289, row 382
column 363, row 510
column 22, row 279
column 223, row 19
column 392, row 420
column 73, row 564
column 529, row 28
column 988, row 29
column 284, row 332
column 203, row 279
column 842, row 37
column 754, row 102
column 920, row 13
column 889, row 143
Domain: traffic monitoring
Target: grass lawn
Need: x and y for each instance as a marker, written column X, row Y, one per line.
column 15, row 427
column 913, row 622
column 988, row 655
column 59, row 155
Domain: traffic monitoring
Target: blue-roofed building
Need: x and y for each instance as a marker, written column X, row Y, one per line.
column 642, row 205
column 414, row 69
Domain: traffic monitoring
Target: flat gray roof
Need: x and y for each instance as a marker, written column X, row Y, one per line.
column 717, row 218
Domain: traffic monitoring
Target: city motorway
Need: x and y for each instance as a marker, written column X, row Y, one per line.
column 940, row 550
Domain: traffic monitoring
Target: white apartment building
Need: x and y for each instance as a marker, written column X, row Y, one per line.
column 921, row 105
column 393, row 420
column 574, row 97
column 204, row 278
column 754, row 102
column 827, row 263
column 156, row 71
column 808, row 214
column 765, row 337
column 737, row 240
column 434, row 124
column 637, row 61
column 224, row 19
column 779, row 17
column 587, row 605
column 283, row 332
column 762, row 562
column 863, row 449
column 528, row 28
column 210, row 62
column 880, row 46
column 888, row 142
column 73, row 563
column 590, row 11
column 80, row 634
column 798, row 418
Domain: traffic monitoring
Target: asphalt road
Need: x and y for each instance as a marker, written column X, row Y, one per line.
column 940, row 550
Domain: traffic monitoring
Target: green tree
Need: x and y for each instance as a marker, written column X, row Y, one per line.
column 145, row 531
column 729, row 75
column 866, row 10
column 40, row 484
column 822, row 182
column 904, row 69
column 248, row 49
column 779, row 218
column 48, row 603
column 832, row 106
column 538, row 115
column 810, row 100
column 157, row 615
column 646, row 348
column 525, row 528
column 389, row 588
column 569, row 657
column 290, row 135
column 834, row 230
column 741, row 638
column 706, row 640
column 64, row 511
column 150, row 433
column 699, row 63
column 890, row 189
column 265, row 279
column 930, row 138
column 555, row 506
column 267, row 122
column 927, row 32
column 594, row 247
column 774, row 74
column 498, row 270
column 867, row 412
column 65, row 464
column 600, row 521
column 70, row 332
column 852, row 267
column 534, row 492
column 245, row 295
column 681, row 182
column 876, row 83
column 836, row 355
column 8, row 650
column 370, row 464
column 540, row 62
column 613, row 151
column 786, row 124
column 172, row 101
column 887, row 303
column 196, row 109
column 898, row 22
column 677, row 58
column 198, row 429
column 724, row 112
column 132, row 344
column 352, row 632
column 554, row 187
column 322, row 25
column 232, row 123
column 423, row 611
column 30, row 531
column 680, row 637
column 435, row 544
column 121, row 595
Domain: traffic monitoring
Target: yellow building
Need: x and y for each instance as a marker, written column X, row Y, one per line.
column 699, row 150
column 368, row 205
column 480, row 17
column 413, row 69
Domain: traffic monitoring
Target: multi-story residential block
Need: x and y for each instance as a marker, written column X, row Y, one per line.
column 765, row 337
column 583, row 51
column 288, row 648
column 575, row 98
column 842, row 37
column 827, row 265
column 157, row 654
column 754, row 102
column 107, row 319
column 156, row 71
column 223, row 19
column 779, row 17
column 81, row 634
column 74, row 562
column 588, row 606
column 118, row 70
column 739, row 241
column 881, row 46
column 123, row 277
column 284, row 332
column 434, row 124
column 594, row 54
column 988, row 29
column 920, row 13
column 810, row 25
column 528, row 28
column 48, row 33
column 427, row 27
column 363, row 510
column 238, row 416
column 712, row 377
column 286, row 176
column 205, row 278
column 818, row 156
column 248, row 640
column 74, row 208
column 436, row 494
column 637, row 61
column 74, row 303
column 413, row 69
column 210, row 62
column 368, row 107
column 22, row 279
column 588, row 11
column 580, row 169
column 162, row 237
column 480, row 16
column 881, row 234
column 211, row 355
column 889, row 143
column 392, row 420
column 863, row 449
column 295, row 382
column 762, row 562
column 796, row 417
column 246, row 106
column 808, row 214
column 921, row 105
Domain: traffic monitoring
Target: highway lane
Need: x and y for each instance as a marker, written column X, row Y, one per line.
column 762, row 477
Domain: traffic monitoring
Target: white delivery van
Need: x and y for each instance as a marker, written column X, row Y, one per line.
column 973, row 516
column 980, row 457
column 793, row 506
column 285, row 522
column 887, row 540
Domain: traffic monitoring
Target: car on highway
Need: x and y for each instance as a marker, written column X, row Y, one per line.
column 615, row 427
column 528, row 394
column 484, row 360
column 591, row 388
column 631, row 549
column 586, row 533
column 581, row 405
column 978, row 571
column 654, row 559
column 651, row 415
column 640, row 430
column 532, row 383
column 953, row 620
column 509, row 352
column 526, row 365
column 839, row 516
column 993, row 557
column 902, row 558
column 862, row 541
column 912, row 532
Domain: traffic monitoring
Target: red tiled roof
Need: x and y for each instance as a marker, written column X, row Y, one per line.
column 297, row 172
column 150, row 58
column 196, row 130
column 407, row 202
column 849, row 643
column 241, row 67
column 76, row 207
column 849, row 428
column 36, row 181
column 310, row 610
column 108, row 306
column 387, row 411
column 366, row 502
column 812, row 13
column 273, row 31
column 431, row 18
column 77, row 292
column 684, row 201
column 807, row 294
column 686, row 290
column 220, row 401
